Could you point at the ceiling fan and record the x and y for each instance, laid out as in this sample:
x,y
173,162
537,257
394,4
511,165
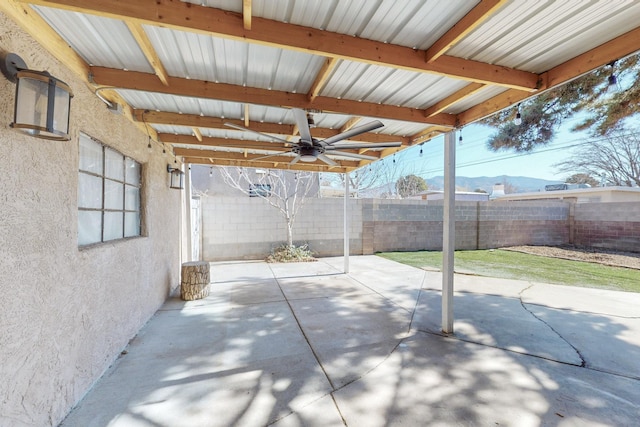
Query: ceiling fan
x,y
310,149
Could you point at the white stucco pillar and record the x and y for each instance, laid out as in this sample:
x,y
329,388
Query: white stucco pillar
x,y
448,231
346,222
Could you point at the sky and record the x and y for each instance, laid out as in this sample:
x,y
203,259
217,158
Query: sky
x,y
474,159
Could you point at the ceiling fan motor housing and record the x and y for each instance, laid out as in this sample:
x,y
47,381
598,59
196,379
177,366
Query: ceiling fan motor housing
x,y
307,153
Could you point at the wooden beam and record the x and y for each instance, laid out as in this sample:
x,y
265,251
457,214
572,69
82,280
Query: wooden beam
x,y
194,120
170,138
445,103
254,158
468,23
322,77
350,123
621,46
246,14
39,29
185,16
246,115
149,52
427,134
268,165
197,134
226,92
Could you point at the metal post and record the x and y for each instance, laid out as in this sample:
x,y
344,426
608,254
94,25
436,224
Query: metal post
x,y
448,231
346,222
187,213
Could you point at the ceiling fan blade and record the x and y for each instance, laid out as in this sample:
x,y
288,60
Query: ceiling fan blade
x,y
327,160
353,155
339,146
274,138
294,161
303,125
353,132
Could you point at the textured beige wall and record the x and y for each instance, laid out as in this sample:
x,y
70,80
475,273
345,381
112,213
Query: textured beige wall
x,y
65,313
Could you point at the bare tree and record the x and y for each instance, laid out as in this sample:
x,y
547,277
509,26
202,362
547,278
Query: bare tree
x,y
377,178
284,190
616,159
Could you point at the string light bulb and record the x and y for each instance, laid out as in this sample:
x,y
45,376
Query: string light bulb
x,y
460,138
518,120
211,173
421,150
149,147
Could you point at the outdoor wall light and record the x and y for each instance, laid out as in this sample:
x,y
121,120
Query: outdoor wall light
x,y
42,101
177,178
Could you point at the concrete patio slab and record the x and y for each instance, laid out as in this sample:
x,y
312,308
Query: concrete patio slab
x,y
304,345
496,322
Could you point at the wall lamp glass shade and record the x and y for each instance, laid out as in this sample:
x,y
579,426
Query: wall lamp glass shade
x,y
176,178
42,102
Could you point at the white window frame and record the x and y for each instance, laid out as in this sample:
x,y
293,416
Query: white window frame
x,y
98,207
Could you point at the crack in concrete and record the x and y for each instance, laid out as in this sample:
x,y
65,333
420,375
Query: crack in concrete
x,y
583,361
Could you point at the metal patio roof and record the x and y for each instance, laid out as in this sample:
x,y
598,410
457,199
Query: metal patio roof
x,y
422,67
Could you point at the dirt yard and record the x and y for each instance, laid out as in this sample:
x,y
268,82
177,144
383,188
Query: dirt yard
x,y
617,259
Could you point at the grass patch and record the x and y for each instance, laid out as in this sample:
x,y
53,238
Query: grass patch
x,y
535,268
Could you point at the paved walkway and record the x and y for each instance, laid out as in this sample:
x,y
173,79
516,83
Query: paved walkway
x,y
305,345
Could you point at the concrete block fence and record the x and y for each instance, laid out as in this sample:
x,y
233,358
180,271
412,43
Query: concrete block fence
x,y
248,228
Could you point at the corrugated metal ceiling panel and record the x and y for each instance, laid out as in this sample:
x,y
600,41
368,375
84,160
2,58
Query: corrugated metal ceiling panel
x,y
538,35
202,57
371,83
486,93
85,34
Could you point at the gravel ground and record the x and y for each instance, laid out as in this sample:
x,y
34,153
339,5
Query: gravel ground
x,y
617,259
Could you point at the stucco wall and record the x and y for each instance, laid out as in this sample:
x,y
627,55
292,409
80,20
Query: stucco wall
x,y
66,313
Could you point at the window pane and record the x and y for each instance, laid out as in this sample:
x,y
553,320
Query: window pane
x,y
131,224
112,225
113,164
132,198
113,195
132,171
89,191
89,227
90,155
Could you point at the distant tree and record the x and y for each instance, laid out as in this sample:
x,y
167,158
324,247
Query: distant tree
x,y
283,190
604,110
480,190
582,178
616,159
508,187
410,185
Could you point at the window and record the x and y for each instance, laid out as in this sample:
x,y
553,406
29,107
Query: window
x,y
259,190
108,194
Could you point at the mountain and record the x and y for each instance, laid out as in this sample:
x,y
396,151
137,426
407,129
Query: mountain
x,y
520,184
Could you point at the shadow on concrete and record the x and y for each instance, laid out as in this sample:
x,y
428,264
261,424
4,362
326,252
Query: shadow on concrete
x,y
308,346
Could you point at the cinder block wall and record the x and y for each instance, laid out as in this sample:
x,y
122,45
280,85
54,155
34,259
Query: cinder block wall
x,y
408,225
523,223
608,225
249,228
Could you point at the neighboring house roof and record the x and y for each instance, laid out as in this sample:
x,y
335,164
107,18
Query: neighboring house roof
x,y
460,195
580,195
